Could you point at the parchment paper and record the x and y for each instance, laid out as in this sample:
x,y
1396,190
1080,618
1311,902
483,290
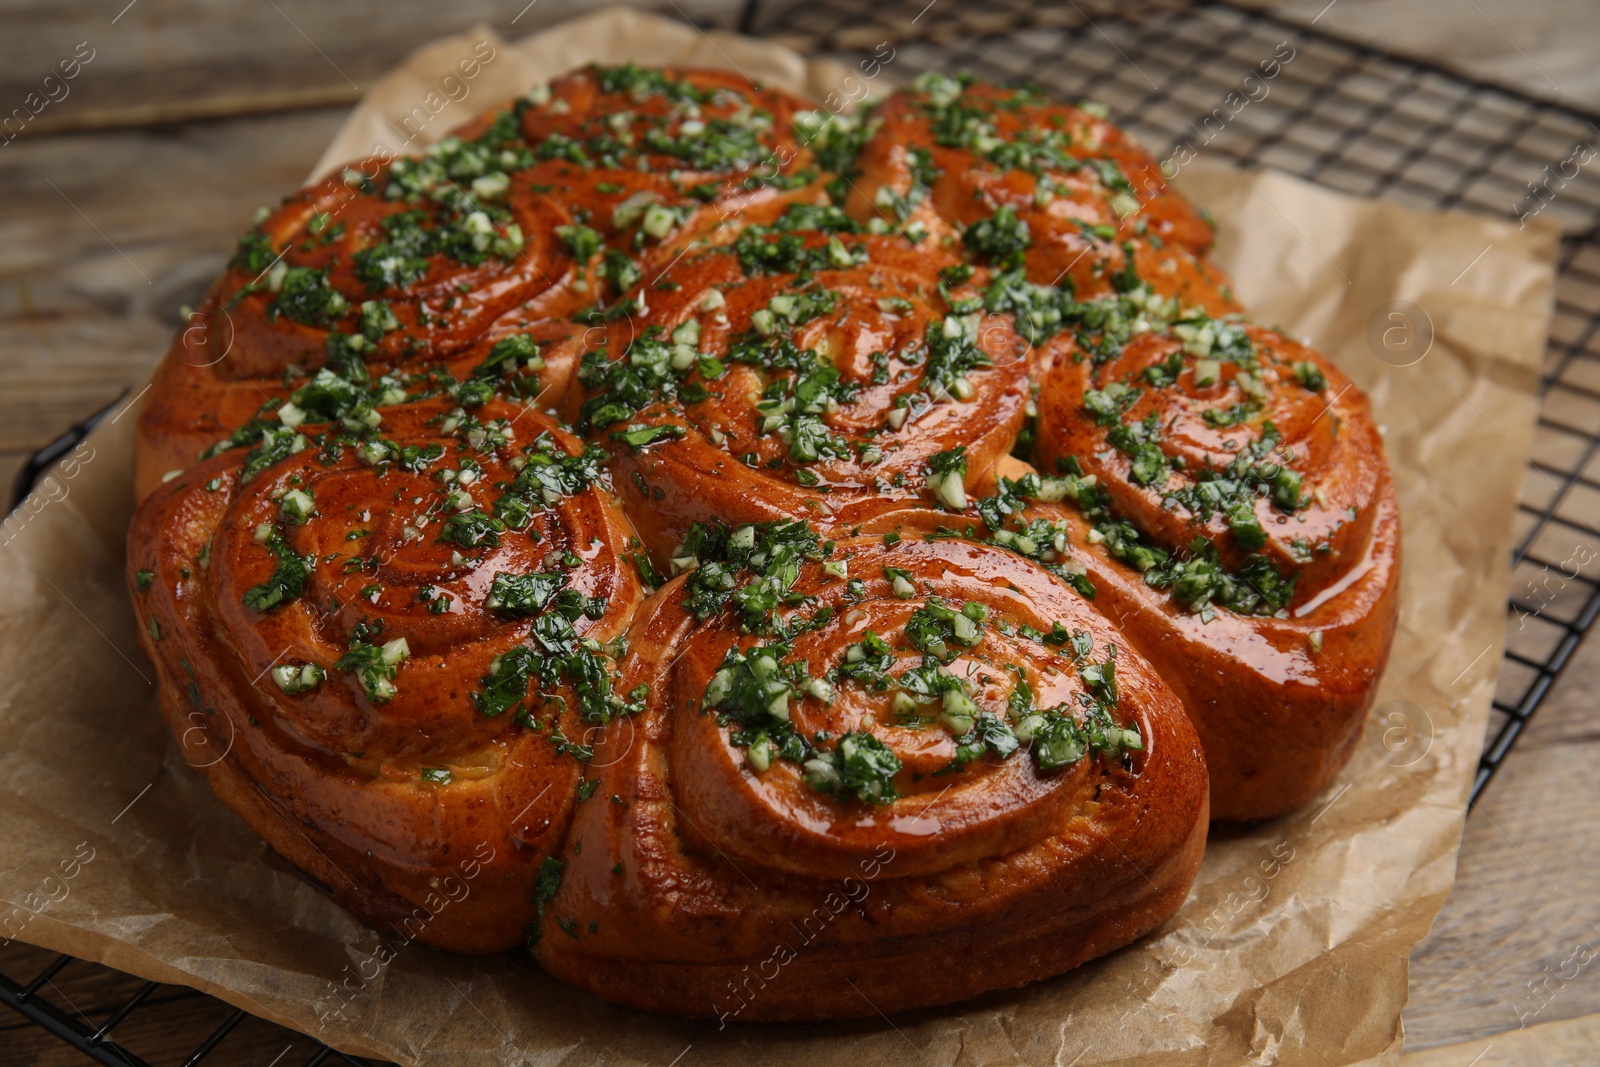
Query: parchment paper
x,y
1292,947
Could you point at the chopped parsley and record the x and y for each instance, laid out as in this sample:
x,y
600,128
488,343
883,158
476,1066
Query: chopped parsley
x,y
860,766
524,594
288,578
1309,375
545,887
1000,239
472,529
767,556
941,631
556,654
304,296
1199,580
639,437
766,250
1139,441
374,665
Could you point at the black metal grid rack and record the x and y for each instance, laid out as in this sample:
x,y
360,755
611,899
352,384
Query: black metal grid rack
x,y
1352,117
222,1020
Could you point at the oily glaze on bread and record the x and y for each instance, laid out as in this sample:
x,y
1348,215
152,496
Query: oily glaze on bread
x,y
351,721
1303,678
294,296
889,364
698,883
1286,515
621,517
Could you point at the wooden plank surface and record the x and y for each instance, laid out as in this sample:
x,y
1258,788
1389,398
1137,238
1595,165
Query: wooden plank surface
x,y
1568,1043
106,232
169,60
103,237
1518,942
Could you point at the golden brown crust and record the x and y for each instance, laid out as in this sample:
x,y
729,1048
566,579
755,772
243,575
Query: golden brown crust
x,y
380,788
346,235
1278,701
753,445
614,140
1278,470
191,410
701,876
1086,192
948,732
1325,436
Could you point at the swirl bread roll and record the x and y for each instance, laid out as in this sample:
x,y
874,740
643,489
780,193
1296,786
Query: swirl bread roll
x,y
1047,193
344,638
642,154
824,802
802,370
357,276
409,261
1247,485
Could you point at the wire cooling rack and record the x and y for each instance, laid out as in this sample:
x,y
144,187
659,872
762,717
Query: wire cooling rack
x,y
1348,116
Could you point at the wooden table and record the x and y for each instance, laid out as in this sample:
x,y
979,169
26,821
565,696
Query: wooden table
x,y
122,202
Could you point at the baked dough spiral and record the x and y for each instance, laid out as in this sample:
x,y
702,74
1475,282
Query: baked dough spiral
x,y
1269,510
779,565
798,372
1048,189
1016,774
1218,488
509,226
344,636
